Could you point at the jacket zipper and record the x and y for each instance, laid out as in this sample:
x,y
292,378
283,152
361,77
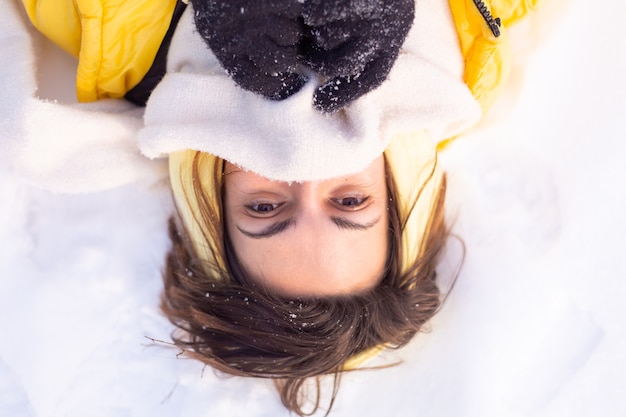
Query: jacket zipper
x,y
494,24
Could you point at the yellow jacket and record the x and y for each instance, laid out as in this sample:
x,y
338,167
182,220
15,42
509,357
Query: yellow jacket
x,y
487,57
116,41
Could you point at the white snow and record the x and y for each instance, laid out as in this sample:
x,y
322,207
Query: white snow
x,y
533,326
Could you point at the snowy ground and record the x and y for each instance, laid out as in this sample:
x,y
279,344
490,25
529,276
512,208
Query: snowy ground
x,y
532,328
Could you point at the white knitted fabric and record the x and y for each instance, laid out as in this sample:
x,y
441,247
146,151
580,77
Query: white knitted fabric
x,y
71,147
62,147
197,106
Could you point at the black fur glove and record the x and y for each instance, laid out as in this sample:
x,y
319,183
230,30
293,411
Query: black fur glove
x,y
353,43
256,41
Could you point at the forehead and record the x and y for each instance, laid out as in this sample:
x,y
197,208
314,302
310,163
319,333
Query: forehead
x,y
322,261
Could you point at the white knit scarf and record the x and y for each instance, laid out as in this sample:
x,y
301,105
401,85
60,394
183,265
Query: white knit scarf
x,y
197,106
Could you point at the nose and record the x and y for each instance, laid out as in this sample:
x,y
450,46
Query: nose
x,y
316,244
311,209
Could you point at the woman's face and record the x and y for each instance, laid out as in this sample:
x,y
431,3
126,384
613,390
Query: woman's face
x,y
314,238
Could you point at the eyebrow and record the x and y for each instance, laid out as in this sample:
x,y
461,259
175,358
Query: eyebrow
x,y
346,224
279,227
269,231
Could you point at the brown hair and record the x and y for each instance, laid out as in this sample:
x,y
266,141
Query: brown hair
x,y
244,329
